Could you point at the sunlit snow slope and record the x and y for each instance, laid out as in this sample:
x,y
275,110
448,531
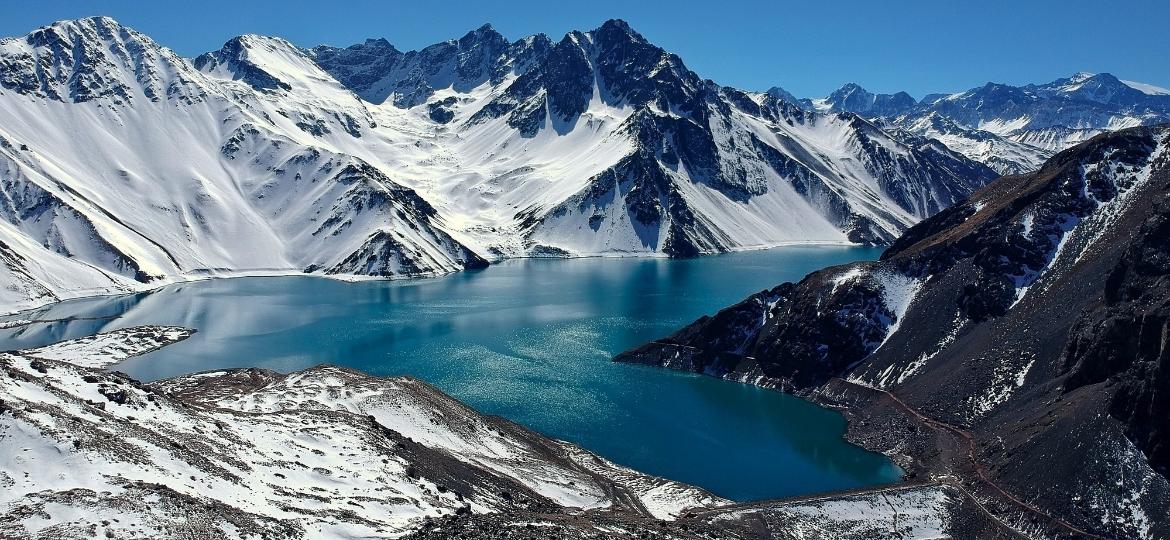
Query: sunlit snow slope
x,y
122,164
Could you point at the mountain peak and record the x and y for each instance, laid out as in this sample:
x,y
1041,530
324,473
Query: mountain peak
x,y
99,21
237,59
484,32
618,27
485,37
242,45
852,97
1106,77
1102,88
998,87
90,58
619,24
780,93
101,27
378,42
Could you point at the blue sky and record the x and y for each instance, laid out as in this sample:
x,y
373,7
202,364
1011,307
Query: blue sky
x,y
808,47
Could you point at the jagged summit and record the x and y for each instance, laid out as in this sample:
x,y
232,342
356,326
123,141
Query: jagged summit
x,y
620,24
484,34
780,93
98,23
614,27
378,42
377,71
853,97
93,59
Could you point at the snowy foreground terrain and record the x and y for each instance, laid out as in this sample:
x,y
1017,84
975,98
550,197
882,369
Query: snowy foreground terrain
x,y
333,453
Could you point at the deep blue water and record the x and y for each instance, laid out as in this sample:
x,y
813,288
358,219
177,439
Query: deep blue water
x,y
530,340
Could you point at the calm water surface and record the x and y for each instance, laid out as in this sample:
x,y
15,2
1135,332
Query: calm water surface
x,y
530,340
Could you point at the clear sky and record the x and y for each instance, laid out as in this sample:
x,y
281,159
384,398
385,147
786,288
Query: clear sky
x,y
809,47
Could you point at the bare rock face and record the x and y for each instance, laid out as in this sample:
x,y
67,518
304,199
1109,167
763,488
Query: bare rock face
x,y
1027,324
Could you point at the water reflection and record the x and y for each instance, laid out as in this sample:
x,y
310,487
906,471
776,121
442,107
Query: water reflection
x,y
529,340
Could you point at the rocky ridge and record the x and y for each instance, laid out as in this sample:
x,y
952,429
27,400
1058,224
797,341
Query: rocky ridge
x,y
1015,339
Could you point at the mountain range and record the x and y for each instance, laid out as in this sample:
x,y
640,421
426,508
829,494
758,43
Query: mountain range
x,y
1009,353
1013,129
126,166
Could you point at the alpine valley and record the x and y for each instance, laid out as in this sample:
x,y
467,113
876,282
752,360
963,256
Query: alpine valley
x,y
1009,351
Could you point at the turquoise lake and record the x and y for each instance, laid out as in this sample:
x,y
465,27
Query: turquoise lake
x,y
530,340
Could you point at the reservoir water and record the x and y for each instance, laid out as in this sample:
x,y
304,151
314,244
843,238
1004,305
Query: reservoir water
x,y
530,340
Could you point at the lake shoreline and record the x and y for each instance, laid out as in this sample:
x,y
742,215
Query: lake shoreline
x,y
197,275
496,338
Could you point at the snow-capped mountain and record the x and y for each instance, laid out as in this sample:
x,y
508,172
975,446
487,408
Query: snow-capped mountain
x,y
1005,155
125,165
1026,326
1012,129
1084,103
853,98
603,142
375,70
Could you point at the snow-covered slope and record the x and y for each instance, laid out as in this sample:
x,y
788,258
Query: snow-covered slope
x,y
323,453
123,165
1005,155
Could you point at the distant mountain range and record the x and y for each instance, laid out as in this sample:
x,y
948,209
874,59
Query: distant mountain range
x,y
125,166
1013,129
